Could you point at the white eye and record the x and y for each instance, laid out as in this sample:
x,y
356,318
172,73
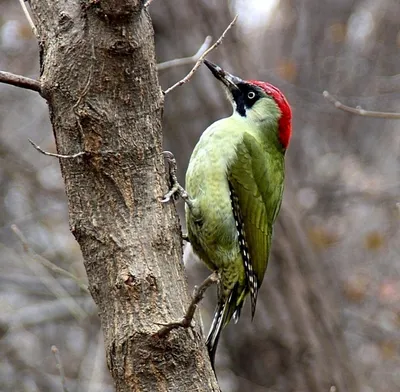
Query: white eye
x,y
251,95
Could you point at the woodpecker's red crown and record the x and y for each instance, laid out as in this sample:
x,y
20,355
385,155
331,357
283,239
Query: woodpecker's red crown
x,y
285,121
246,93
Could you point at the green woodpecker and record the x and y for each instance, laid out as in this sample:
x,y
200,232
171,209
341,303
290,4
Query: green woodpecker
x,y
234,186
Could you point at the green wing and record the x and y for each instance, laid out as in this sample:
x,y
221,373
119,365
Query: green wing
x,y
256,184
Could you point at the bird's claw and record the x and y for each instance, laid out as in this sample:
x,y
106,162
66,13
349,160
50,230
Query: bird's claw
x,y
174,189
168,155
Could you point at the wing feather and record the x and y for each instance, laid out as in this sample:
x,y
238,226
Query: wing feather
x,y
256,195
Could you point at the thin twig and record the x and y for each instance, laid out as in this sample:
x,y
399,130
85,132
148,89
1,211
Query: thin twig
x,y
60,367
28,17
20,81
359,111
187,319
201,58
45,312
186,60
47,263
50,154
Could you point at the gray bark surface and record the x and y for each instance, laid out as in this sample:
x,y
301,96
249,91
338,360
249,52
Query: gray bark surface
x,y
99,77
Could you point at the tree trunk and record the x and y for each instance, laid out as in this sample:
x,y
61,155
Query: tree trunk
x,y
99,77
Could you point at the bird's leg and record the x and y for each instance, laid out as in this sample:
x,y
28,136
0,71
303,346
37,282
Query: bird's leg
x,y
198,295
176,188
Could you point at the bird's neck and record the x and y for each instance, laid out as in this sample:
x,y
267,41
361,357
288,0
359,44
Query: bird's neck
x,y
265,130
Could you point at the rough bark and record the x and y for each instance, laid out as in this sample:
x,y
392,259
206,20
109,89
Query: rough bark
x,y
99,77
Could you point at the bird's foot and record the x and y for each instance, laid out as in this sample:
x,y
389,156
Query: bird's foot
x,y
187,319
176,188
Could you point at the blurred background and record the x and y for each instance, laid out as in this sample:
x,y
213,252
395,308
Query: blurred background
x,y
328,316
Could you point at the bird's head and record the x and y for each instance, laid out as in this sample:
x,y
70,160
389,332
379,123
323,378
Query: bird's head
x,y
260,102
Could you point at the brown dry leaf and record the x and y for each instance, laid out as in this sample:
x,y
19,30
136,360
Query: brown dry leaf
x,y
287,70
321,237
337,32
374,240
355,289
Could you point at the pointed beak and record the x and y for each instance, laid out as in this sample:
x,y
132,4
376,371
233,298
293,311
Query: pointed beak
x,y
230,81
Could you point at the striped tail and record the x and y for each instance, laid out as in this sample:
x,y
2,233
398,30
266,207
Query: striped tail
x,y
215,332
223,314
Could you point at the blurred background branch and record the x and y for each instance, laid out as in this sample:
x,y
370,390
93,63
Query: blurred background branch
x,y
201,58
186,60
337,237
358,110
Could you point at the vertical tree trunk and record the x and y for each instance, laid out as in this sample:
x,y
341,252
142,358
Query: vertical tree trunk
x,y
99,77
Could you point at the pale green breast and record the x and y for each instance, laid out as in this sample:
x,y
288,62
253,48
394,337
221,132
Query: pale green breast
x,y
239,151
211,228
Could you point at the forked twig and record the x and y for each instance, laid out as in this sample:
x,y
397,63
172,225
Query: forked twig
x,y
201,58
186,60
50,154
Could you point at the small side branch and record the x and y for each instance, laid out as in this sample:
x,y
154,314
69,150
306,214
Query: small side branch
x,y
187,319
201,58
60,367
186,60
28,17
50,154
20,81
358,110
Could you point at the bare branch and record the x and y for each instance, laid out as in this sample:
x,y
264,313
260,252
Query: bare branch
x,y
28,17
50,154
187,319
20,81
44,312
147,3
47,263
60,367
186,60
201,58
359,111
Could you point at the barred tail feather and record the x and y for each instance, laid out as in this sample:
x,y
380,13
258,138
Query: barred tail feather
x,y
251,277
223,314
215,332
